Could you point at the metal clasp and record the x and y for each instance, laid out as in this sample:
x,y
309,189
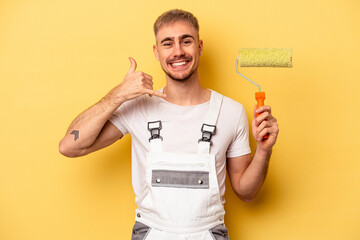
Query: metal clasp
x,y
208,131
154,128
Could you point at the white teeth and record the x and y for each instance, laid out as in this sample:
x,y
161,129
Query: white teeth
x,y
178,64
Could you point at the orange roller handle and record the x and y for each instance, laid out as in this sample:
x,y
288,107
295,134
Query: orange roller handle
x,y
260,97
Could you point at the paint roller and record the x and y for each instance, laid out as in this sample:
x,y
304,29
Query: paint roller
x,y
263,57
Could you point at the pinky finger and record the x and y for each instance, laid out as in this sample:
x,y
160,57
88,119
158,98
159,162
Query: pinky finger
x,y
155,93
264,134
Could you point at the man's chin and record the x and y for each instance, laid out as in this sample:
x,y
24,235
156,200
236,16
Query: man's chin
x,y
180,78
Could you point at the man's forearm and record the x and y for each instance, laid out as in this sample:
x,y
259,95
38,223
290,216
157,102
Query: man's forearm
x,y
255,174
84,130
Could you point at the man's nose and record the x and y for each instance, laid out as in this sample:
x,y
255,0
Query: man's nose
x,y
178,50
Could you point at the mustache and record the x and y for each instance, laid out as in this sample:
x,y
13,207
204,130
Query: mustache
x,y
186,58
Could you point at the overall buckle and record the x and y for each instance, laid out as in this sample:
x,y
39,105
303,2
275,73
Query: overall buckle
x,y
154,128
207,132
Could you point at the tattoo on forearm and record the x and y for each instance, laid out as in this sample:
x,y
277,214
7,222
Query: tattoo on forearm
x,y
76,134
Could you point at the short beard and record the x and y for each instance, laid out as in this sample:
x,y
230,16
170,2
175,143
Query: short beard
x,y
182,79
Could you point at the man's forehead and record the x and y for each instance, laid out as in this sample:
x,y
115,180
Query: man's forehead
x,y
176,30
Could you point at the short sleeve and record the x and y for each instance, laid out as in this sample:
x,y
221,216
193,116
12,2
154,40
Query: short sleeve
x,y
123,115
240,144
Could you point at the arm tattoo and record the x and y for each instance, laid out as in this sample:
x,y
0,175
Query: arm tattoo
x,y
76,134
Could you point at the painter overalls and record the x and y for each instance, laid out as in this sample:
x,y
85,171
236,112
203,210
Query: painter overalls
x,y
183,200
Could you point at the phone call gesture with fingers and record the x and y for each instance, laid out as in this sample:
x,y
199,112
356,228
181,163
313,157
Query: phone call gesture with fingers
x,y
91,130
135,84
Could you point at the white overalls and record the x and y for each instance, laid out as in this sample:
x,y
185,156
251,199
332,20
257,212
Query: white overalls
x,y
183,200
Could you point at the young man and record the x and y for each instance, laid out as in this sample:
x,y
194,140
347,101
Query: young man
x,y
184,138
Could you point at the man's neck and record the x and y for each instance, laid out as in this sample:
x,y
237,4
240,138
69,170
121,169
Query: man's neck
x,y
186,93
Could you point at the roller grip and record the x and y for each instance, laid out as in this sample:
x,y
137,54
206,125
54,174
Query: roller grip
x,y
260,97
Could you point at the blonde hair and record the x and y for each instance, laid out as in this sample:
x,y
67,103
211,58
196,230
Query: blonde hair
x,y
175,15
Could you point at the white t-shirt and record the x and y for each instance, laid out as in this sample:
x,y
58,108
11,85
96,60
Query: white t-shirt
x,y
181,130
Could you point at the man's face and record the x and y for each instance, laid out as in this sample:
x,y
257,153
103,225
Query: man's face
x,y
178,49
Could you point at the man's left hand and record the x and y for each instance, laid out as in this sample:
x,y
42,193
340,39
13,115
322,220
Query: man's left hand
x,y
262,125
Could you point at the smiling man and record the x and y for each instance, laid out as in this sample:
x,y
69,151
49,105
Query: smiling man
x,y
183,63
185,138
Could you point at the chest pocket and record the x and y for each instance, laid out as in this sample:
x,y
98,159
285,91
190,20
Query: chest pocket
x,y
180,179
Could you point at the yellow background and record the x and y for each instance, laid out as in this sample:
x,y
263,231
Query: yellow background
x,y
59,57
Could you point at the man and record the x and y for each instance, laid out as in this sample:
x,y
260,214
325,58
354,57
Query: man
x,y
184,138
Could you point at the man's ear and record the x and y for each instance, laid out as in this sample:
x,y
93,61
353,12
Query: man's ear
x,y
156,52
201,45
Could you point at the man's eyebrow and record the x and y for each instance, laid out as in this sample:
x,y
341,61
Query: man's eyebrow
x,y
167,39
181,37
186,36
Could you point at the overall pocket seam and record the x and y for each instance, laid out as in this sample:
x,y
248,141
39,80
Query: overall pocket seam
x,y
212,235
147,233
138,233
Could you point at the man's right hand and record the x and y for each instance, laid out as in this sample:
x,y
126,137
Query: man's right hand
x,y
92,130
135,84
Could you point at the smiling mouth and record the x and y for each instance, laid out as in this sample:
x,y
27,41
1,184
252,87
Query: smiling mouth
x,y
176,64
179,61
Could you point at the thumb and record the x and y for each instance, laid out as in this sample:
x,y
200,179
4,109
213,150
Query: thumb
x,y
132,66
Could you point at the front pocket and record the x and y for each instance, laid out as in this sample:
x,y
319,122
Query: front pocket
x,y
219,232
140,231
180,179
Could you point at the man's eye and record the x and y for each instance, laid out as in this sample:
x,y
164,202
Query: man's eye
x,y
187,42
167,44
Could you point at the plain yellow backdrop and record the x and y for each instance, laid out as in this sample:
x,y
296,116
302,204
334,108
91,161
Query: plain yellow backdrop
x,y
59,57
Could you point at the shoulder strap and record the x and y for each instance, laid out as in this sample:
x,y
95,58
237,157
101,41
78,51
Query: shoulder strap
x,y
214,108
154,124
208,129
